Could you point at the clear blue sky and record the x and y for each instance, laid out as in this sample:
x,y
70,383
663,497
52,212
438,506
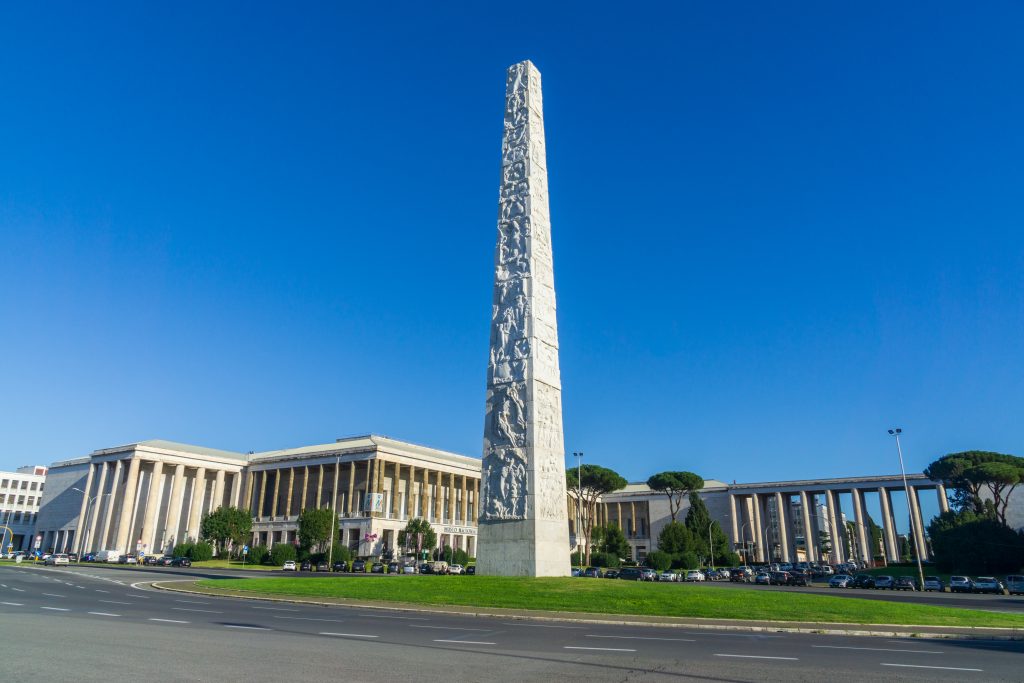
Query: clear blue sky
x,y
777,230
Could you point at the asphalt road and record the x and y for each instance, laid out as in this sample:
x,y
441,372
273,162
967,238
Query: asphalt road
x,y
91,623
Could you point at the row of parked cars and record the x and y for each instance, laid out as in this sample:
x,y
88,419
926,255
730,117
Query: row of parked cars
x,y
648,574
1014,583
364,566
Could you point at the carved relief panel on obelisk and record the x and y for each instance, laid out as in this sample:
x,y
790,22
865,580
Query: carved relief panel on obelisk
x,y
523,525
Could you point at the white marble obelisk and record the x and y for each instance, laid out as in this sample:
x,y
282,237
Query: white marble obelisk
x,y
523,525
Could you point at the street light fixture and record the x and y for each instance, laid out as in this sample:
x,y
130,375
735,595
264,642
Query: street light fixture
x,y
88,505
896,431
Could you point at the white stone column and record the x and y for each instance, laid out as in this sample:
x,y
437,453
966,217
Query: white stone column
x,y
892,552
177,500
810,542
149,520
940,491
833,524
82,510
918,530
128,510
866,552
350,503
320,487
305,488
261,499
277,493
759,540
195,515
111,503
218,491
97,503
235,497
782,509
735,521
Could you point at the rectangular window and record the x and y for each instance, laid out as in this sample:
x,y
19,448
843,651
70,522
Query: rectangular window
x,y
33,486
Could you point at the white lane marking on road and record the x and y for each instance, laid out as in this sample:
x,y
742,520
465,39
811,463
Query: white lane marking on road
x,y
791,659
387,616
20,590
922,666
53,595
100,590
114,602
336,621
348,635
603,649
189,609
674,640
248,628
579,628
13,604
877,649
464,642
56,609
104,614
169,621
277,609
3,585
450,628
193,602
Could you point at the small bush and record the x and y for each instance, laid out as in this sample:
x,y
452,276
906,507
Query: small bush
x,y
258,554
182,550
659,560
201,552
576,559
689,560
604,560
341,553
281,553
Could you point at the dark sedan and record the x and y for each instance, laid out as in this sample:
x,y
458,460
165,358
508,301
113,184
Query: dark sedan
x,y
905,583
798,579
359,566
377,568
863,581
181,562
322,566
340,567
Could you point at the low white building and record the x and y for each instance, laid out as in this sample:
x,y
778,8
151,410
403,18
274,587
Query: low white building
x,y
21,494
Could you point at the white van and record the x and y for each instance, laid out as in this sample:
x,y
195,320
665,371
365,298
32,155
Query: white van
x,y
108,556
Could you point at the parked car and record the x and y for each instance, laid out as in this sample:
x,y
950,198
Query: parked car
x,y
668,576
648,574
425,568
739,575
840,581
576,571
377,568
73,557
411,569
1015,584
863,581
88,557
306,566
631,574
151,561
593,572
905,583
611,573
322,566
181,562
166,561
471,570
694,575
57,560
960,584
128,559
340,566
779,578
763,579
288,566
798,579
456,569
933,583
884,582
988,584
394,568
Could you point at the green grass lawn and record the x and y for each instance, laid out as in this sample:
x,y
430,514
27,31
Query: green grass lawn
x,y
620,597
233,564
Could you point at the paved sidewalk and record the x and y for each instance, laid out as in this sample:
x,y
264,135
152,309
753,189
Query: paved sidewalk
x,y
890,630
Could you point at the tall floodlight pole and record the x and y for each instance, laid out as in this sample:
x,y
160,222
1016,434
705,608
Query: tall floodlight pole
x,y
896,431
579,500
711,545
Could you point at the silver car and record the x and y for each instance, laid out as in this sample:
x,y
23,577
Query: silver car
x,y
840,581
960,584
1015,584
668,576
933,583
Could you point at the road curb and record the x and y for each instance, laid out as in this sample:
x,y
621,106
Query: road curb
x,y
821,628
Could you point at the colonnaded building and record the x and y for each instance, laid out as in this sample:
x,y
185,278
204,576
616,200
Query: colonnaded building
x,y
148,496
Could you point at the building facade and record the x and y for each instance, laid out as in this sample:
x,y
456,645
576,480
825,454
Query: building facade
x,y
21,494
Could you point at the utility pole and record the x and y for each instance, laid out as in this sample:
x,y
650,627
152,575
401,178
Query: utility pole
x,y
896,431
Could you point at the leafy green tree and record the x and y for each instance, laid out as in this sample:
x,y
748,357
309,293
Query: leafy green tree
x,y
614,542
969,473
699,523
659,560
966,542
590,482
407,536
904,550
315,528
675,539
687,560
183,550
226,525
281,553
675,485
602,559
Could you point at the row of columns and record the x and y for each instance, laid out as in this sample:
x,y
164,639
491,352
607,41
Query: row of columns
x,y
747,524
622,514
117,495
430,485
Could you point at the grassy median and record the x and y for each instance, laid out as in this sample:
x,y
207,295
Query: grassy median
x,y
619,597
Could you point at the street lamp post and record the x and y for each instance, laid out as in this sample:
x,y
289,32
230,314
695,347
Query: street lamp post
x,y
88,506
746,550
711,546
334,516
896,431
